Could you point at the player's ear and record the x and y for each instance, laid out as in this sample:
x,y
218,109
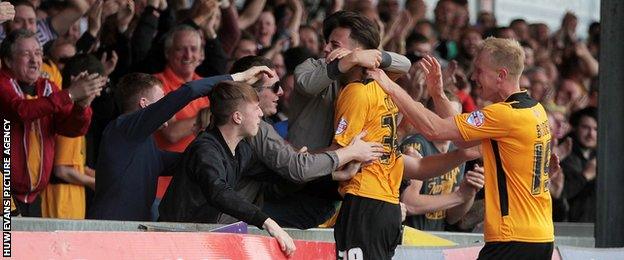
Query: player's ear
x,y
502,74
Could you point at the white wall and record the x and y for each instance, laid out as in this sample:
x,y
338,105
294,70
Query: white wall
x,y
549,12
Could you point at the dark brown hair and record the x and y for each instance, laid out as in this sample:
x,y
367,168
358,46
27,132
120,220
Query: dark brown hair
x,y
363,30
131,86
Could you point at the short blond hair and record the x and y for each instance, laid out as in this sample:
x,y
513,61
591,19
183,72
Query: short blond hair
x,y
505,53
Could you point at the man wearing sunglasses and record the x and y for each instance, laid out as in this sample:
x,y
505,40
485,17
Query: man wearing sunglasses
x,y
269,91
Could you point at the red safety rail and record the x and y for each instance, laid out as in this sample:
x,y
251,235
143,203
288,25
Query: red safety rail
x,y
157,245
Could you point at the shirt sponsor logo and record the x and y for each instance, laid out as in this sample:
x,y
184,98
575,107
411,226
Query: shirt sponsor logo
x,y
476,118
342,126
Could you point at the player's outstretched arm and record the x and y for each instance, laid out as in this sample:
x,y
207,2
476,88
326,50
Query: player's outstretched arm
x,y
471,184
426,122
436,165
358,150
418,204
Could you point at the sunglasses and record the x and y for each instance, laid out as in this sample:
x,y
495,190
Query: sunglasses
x,y
275,88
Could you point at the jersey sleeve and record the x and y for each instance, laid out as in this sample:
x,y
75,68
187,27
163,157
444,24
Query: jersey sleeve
x,y
351,111
67,150
490,122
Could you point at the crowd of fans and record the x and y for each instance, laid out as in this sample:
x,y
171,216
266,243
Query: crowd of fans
x,y
69,68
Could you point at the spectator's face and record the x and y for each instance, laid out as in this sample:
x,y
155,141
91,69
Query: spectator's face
x,y
444,12
587,132
288,84
487,20
245,48
73,34
508,34
422,48
543,32
521,30
529,57
26,59
426,30
461,18
569,23
251,115
567,93
309,39
152,96
268,97
25,18
139,6
486,77
525,84
61,52
339,38
280,67
265,27
471,42
416,7
388,9
185,54
559,126
539,85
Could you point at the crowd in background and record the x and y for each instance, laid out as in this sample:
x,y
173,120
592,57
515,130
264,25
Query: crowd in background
x,y
86,46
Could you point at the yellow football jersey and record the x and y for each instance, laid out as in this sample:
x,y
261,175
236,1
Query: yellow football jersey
x,y
65,200
366,107
516,153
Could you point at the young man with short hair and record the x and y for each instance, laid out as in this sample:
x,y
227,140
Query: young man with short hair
x,y
215,161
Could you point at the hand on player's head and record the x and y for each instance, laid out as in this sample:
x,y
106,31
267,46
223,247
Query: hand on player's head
x,y
369,59
337,54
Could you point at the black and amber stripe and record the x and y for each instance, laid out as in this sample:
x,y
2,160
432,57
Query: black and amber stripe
x,y
501,178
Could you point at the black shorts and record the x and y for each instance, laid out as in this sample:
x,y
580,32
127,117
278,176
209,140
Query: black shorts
x,y
516,250
367,229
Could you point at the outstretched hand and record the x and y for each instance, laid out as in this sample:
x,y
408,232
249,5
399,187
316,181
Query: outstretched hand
x,y
253,74
433,75
86,86
553,164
